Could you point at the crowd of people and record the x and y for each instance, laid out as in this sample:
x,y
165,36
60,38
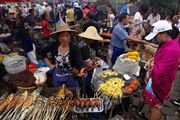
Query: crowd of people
x,y
75,30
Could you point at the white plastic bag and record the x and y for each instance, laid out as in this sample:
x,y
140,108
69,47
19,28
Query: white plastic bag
x,y
125,65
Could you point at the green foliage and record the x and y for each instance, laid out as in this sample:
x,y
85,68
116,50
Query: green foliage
x,y
164,7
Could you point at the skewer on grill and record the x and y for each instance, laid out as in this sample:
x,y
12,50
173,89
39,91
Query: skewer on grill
x,y
87,103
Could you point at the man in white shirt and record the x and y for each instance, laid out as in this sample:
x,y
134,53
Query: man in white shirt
x,y
153,17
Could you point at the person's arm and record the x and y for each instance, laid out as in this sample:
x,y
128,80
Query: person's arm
x,y
46,50
78,57
168,62
159,17
149,18
79,70
131,39
49,63
149,64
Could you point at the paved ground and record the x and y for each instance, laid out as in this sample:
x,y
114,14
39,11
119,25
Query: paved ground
x,y
170,111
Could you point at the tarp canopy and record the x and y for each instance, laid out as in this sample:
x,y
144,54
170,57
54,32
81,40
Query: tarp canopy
x,y
15,1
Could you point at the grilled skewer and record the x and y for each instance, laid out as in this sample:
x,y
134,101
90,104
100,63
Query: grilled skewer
x,y
82,104
97,103
87,103
93,101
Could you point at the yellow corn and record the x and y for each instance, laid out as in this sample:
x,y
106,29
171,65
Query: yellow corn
x,y
135,53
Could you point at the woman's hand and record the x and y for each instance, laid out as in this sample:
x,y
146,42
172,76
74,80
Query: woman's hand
x,y
149,64
96,62
75,72
83,73
52,66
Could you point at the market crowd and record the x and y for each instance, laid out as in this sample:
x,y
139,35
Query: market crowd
x,y
74,39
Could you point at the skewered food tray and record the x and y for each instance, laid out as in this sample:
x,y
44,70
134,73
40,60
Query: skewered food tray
x,y
88,105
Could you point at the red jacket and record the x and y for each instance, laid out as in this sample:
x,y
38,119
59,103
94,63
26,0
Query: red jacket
x,y
45,29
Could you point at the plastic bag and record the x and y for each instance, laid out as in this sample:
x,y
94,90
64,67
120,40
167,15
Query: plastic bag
x,y
122,65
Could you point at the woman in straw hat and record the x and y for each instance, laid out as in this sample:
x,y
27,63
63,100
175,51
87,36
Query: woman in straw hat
x,y
89,37
66,57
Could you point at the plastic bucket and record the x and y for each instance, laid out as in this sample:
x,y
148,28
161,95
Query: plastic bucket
x,y
15,64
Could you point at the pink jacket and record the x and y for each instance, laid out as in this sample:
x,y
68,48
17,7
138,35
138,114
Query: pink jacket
x,y
166,63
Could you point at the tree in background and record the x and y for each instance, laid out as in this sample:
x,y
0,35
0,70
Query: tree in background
x,y
165,7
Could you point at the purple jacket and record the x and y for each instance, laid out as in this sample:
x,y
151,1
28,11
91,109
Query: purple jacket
x,y
166,63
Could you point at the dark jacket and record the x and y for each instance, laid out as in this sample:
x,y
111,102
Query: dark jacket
x,y
75,55
78,13
23,35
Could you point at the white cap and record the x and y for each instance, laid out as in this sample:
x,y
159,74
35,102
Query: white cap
x,y
76,4
160,26
45,3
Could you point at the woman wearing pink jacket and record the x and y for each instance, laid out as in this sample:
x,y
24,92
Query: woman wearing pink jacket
x,y
162,68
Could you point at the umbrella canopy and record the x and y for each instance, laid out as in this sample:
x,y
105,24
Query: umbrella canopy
x,y
15,0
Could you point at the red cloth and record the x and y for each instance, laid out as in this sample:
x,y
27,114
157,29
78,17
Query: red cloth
x,y
166,63
92,9
85,12
46,31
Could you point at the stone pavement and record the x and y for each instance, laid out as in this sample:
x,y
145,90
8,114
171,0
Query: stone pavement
x,y
170,111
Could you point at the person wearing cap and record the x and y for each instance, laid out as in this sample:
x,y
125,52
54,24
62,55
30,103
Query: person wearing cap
x,y
120,37
66,57
162,68
70,15
86,44
78,12
89,38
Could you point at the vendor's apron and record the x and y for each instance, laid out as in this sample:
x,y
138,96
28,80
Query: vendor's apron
x,y
63,76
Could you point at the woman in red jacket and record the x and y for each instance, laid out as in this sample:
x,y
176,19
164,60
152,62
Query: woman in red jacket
x,y
45,27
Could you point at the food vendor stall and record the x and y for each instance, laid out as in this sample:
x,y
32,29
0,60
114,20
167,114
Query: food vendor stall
x,y
114,85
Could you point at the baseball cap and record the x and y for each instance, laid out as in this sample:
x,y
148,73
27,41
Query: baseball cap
x,y
160,26
76,4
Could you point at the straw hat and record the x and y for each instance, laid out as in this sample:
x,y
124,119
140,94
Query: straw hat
x,y
91,33
62,28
